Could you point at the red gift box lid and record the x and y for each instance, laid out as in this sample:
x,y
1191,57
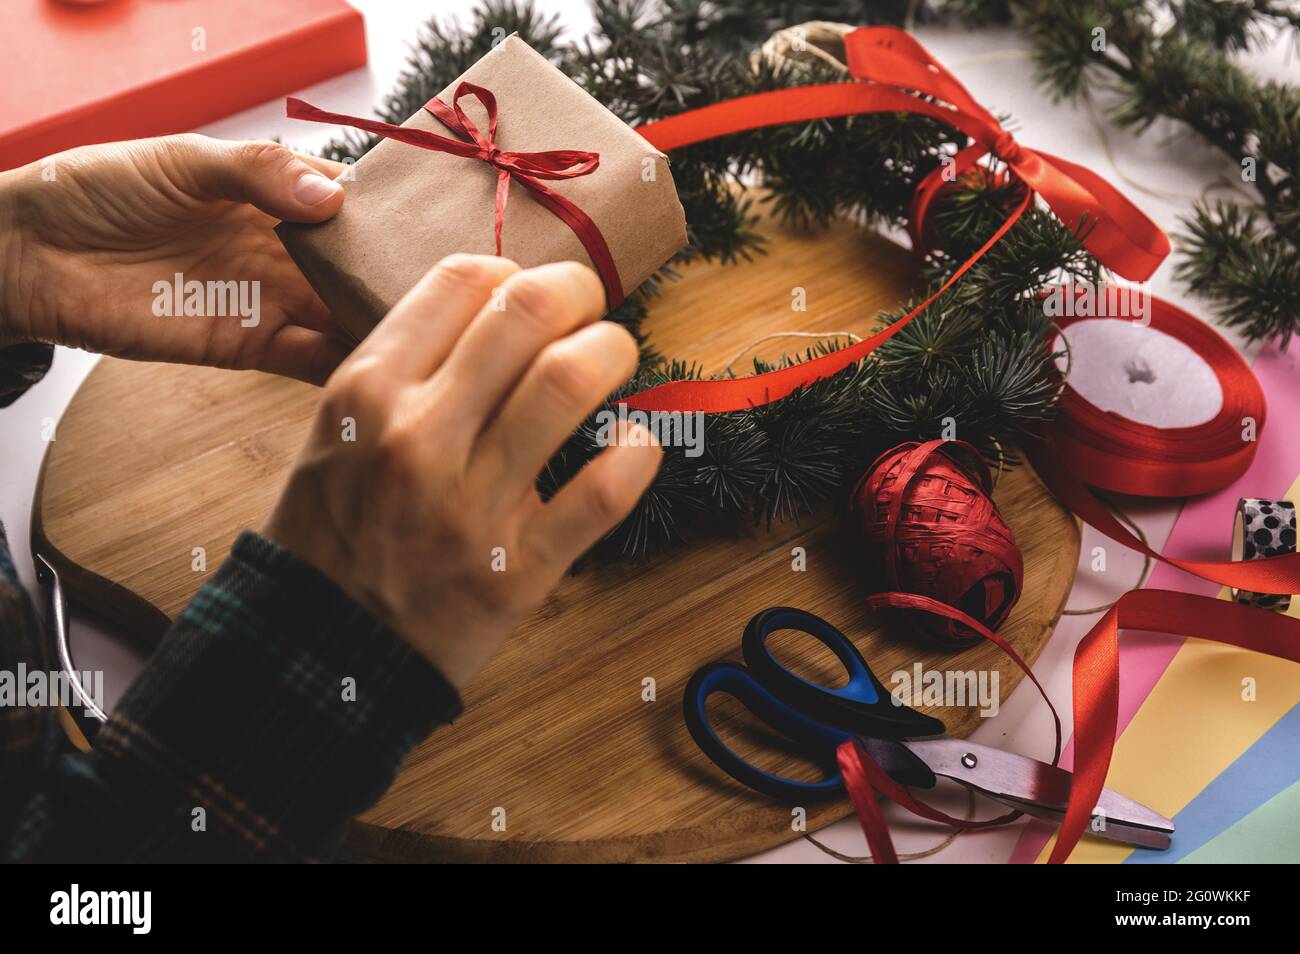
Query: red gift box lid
x,y
74,73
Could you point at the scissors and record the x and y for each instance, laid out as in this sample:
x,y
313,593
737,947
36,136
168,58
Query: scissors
x,y
911,747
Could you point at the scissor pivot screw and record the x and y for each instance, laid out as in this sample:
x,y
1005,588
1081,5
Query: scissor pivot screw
x,y
969,760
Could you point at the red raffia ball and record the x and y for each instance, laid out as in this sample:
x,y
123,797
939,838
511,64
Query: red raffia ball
x,y
947,540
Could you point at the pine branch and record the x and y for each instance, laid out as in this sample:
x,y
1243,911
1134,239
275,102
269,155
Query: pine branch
x,y
1168,62
977,358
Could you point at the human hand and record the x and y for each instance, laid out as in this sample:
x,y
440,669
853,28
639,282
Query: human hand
x,y
86,235
429,515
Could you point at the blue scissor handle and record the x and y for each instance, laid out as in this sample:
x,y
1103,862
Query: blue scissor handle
x,y
820,740
863,707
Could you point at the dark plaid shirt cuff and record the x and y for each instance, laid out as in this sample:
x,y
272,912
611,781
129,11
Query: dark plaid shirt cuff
x,y
274,710
21,366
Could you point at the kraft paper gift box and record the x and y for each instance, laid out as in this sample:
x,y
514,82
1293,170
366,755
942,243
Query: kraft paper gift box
x,y
407,207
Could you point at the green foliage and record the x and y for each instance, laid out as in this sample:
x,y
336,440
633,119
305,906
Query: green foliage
x,y
1252,273
978,355
1170,61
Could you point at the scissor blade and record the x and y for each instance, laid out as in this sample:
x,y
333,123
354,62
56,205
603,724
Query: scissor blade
x,y
1038,789
1113,829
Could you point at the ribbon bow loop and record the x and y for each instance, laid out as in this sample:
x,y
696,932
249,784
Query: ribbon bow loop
x,y
455,119
1007,149
545,164
889,56
1113,229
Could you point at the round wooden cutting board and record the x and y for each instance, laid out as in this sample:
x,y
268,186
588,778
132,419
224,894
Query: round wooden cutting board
x,y
573,734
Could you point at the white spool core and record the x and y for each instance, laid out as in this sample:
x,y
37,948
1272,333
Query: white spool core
x,y
1139,373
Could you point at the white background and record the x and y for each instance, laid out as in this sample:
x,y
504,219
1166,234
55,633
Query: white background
x,y
1162,172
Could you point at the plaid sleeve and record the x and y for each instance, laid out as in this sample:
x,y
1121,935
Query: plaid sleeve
x,y
273,711
21,366
25,732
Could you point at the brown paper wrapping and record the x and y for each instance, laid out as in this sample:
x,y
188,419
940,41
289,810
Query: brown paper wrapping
x,y
408,207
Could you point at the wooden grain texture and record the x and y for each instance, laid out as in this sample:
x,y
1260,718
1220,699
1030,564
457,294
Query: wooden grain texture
x,y
152,461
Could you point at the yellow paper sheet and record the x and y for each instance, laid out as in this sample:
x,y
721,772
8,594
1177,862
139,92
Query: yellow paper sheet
x,y
1193,725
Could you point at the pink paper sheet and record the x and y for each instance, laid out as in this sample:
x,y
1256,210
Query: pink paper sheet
x,y
1203,532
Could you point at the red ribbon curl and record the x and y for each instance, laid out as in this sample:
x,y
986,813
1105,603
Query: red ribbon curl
x,y
526,168
929,526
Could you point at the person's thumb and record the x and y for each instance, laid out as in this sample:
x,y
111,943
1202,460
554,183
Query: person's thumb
x,y
262,173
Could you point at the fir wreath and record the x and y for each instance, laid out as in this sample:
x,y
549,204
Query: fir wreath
x,y
978,355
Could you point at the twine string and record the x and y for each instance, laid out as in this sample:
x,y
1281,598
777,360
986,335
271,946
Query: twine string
x,y
906,856
789,334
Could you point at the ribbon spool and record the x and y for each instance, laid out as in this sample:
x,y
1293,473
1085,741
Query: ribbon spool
x,y
1154,434
930,528
1260,529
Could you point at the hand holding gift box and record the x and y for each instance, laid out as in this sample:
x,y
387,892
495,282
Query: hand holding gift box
x,y
595,191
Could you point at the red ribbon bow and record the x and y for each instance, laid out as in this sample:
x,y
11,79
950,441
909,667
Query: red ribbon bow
x,y
1116,232
888,64
526,168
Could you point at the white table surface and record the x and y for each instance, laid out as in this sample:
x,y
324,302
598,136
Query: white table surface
x,y
991,64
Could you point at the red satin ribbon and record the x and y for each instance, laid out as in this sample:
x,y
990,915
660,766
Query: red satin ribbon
x,y
1279,574
887,64
526,168
1089,448
1096,667
1128,457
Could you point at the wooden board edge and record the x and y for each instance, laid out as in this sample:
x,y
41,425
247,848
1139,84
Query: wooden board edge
x,y
143,623
1068,555
367,843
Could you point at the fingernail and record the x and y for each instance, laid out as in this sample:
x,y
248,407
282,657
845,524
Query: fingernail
x,y
313,188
